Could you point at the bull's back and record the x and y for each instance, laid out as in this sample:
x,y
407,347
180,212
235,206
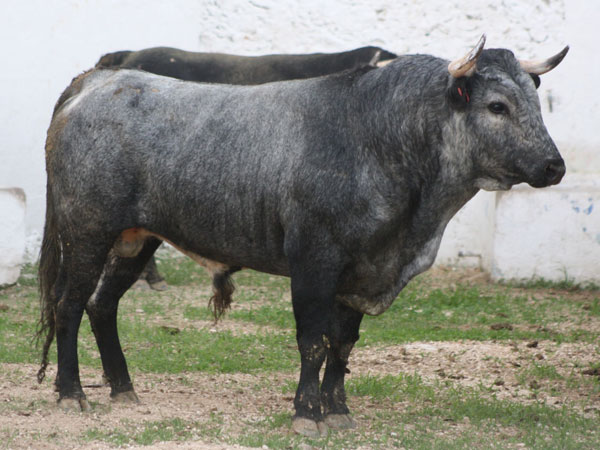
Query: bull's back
x,y
138,150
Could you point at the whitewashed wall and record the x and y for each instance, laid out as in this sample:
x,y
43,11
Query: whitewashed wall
x,y
45,43
12,235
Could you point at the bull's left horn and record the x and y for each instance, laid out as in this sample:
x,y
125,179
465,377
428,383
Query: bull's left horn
x,y
542,66
465,66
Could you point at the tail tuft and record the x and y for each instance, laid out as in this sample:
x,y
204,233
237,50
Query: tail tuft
x,y
223,288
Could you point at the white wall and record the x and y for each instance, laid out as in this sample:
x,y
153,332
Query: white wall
x,y
549,233
12,233
45,43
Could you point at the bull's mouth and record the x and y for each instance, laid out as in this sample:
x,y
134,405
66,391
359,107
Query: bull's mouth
x,y
501,183
550,174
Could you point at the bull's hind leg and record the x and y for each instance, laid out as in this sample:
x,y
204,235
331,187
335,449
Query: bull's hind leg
x,y
119,274
153,276
82,264
344,333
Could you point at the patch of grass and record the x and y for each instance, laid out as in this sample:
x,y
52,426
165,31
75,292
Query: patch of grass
x,y
545,371
197,313
280,316
566,284
148,433
157,350
466,313
390,387
28,276
182,271
593,308
419,313
8,437
16,337
414,414
18,324
250,278
24,405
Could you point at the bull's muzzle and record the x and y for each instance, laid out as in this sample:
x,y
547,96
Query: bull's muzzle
x,y
554,171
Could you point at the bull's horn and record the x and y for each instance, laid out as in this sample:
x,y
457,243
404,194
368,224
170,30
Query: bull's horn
x,y
375,58
384,63
465,66
540,67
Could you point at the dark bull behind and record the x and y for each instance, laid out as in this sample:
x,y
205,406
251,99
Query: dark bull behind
x,y
236,69
345,183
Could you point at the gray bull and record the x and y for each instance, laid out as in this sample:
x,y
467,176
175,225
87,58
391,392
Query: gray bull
x,y
344,183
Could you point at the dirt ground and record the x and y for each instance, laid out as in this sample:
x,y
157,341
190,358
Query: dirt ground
x,y
194,396
30,419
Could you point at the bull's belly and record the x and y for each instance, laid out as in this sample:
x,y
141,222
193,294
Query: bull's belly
x,y
131,241
367,287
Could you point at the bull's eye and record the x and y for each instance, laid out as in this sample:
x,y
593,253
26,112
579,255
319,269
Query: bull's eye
x,y
498,108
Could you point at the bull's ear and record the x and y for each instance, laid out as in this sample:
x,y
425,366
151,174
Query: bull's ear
x,y
459,92
536,80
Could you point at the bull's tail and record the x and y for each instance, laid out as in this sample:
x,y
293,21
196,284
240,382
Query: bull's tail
x,y
223,288
50,261
113,59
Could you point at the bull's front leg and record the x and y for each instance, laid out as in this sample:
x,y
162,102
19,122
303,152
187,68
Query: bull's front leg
x,y
313,296
344,333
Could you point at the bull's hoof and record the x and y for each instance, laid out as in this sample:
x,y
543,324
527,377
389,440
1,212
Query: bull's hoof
x,y
309,428
141,285
159,285
340,421
125,397
71,405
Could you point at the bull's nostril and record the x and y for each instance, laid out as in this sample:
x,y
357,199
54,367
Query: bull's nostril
x,y
554,172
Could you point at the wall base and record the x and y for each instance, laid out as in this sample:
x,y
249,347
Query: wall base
x,y
12,234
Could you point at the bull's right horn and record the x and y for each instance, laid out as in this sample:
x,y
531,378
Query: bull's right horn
x,y
465,66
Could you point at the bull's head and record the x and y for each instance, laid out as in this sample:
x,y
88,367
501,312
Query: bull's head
x,y
510,143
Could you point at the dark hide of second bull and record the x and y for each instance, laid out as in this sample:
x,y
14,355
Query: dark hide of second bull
x,y
243,70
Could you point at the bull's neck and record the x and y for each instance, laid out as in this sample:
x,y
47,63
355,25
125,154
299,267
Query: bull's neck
x,y
417,141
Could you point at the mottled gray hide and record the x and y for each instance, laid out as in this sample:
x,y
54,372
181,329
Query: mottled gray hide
x,y
361,170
